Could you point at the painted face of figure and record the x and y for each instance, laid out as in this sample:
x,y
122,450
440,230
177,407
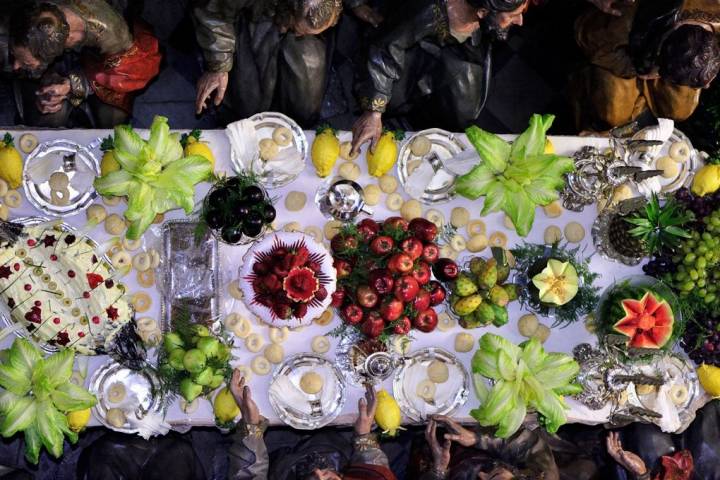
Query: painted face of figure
x,y
303,27
497,473
25,64
498,24
326,474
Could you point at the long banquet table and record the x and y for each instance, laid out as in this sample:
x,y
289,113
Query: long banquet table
x,y
562,340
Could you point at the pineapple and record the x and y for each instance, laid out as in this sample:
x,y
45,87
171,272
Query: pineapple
x,y
621,239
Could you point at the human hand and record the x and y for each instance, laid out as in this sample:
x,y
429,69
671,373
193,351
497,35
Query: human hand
x,y
243,398
609,6
210,82
368,15
460,434
50,98
367,128
366,411
440,453
628,460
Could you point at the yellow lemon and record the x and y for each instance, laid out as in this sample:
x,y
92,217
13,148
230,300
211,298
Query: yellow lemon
x,y
108,164
193,146
225,407
707,180
78,420
549,147
709,376
11,163
387,415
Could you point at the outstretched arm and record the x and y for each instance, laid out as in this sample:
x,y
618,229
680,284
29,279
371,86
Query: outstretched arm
x,y
366,449
628,460
248,453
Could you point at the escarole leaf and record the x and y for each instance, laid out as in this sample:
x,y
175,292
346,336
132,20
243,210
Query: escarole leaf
x,y
481,388
493,150
14,379
485,363
475,183
69,397
494,198
512,420
7,400
50,432
33,444
23,355
57,367
115,184
159,136
19,416
519,208
532,141
127,141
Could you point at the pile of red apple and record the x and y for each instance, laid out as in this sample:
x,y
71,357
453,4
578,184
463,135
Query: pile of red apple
x,y
384,276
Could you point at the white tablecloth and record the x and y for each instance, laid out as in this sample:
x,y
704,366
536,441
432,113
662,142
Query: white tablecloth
x,y
562,340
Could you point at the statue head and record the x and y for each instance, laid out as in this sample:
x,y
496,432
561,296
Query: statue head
x,y
498,16
37,38
690,56
308,17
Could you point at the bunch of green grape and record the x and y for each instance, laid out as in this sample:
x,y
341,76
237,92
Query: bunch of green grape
x,y
698,263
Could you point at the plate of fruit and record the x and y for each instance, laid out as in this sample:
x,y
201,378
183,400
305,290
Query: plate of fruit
x,y
384,271
289,279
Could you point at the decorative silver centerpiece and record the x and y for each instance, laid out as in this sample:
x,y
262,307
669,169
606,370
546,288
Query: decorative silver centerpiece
x,y
342,200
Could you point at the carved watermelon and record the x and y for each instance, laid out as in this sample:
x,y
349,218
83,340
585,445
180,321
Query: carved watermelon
x,y
301,284
648,322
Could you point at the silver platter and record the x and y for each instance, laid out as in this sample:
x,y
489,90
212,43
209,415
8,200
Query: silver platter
x,y
293,368
417,409
70,158
265,124
445,145
141,395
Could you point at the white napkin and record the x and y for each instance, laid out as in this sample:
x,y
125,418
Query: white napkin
x,y
287,393
419,179
661,132
463,162
244,144
443,391
40,171
152,425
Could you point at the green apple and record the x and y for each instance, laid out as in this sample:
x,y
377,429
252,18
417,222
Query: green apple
x,y
172,341
175,359
189,389
204,378
210,346
194,361
216,381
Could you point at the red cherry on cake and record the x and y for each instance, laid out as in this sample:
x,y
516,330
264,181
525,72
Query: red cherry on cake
x,y
16,267
56,320
71,273
95,319
27,287
38,303
53,257
81,334
31,242
86,294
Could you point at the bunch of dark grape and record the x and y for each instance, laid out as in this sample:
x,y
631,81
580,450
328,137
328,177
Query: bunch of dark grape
x,y
700,206
659,266
701,341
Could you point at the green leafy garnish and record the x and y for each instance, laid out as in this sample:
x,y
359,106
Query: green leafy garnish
x,y
660,227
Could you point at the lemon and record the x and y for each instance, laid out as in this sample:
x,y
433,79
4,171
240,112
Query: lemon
x,y
108,164
707,180
78,420
387,415
11,163
195,147
549,147
709,376
225,407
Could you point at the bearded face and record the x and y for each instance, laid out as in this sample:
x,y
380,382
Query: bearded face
x,y
496,24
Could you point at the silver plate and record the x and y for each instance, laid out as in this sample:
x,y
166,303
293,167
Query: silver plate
x,y
445,145
293,368
204,264
39,193
407,398
265,124
141,395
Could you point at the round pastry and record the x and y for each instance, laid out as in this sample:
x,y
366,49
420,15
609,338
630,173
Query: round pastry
x,y
445,322
528,325
96,213
132,245
464,342
3,187
411,209
678,394
268,149
292,227
116,392
260,365
274,353
498,239
13,199
553,209
116,417
314,232
154,258
240,326
426,390
552,234
346,152
478,243
278,335
372,193
459,217
27,142
438,372
413,165
349,171
388,183
458,243
59,181
325,318
282,136
121,260
680,152
420,146
311,383
394,202
234,290
574,232
254,343
331,229
141,301
476,227
320,344
111,201
622,192
245,372
435,217
542,333
295,201
146,279
114,224
141,262
669,167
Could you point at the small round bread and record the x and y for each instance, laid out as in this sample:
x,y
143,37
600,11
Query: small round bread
x,y
320,344
260,365
274,353
553,209
349,171
27,142
413,165
420,146
459,217
96,213
438,372
325,318
372,193
111,201
498,239
114,224
60,198
13,199
346,152
528,325
268,149
151,338
59,181
464,342
121,259
240,326
388,183
311,383
282,136
446,251
476,227
435,217
254,343
622,192
292,227
116,417
295,201
132,245
458,243
116,392
478,243
508,223
146,323
331,229
3,187
542,333
680,152
669,167
278,335
146,279
189,408
394,202
411,210
154,258
552,234
678,394
141,262
426,390
445,322
574,232
141,302
314,232
234,290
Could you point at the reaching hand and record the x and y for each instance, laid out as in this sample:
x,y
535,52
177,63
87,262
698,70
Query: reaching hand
x,y
628,460
461,435
366,411
50,98
368,15
440,454
210,82
243,398
609,6
367,128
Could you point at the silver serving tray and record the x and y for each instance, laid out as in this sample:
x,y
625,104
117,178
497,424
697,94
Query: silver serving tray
x,y
445,145
295,367
39,193
142,395
265,123
205,265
